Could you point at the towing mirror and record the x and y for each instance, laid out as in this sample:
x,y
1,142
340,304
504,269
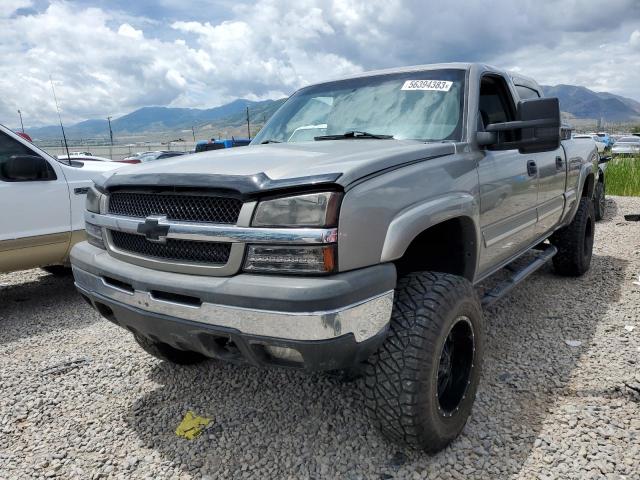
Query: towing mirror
x,y
25,168
537,128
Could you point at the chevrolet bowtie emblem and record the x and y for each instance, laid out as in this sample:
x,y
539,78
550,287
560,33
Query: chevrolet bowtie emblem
x,y
153,230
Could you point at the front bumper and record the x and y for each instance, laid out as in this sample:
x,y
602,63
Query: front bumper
x,y
331,322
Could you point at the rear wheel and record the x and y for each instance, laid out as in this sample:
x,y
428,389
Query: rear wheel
x,y
421,384
575,242
165,352
599,201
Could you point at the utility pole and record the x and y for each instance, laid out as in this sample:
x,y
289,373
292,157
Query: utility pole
x,y
110,131
21,124
248,126
110,137
194,133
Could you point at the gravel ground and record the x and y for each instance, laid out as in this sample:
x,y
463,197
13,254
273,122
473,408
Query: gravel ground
x,y
544,409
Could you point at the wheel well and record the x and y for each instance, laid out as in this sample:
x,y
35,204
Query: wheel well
x,y
448,247
587,189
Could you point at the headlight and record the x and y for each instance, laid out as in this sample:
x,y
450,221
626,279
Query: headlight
x,y
309,210
315,259
94,235
93,200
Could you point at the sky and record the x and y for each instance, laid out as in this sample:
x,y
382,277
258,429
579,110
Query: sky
x,y
110,57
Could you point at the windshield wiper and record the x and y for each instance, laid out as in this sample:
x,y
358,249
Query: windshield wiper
x,y
270,141
353,134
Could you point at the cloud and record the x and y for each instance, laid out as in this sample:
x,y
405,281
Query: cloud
x,y
172,52
127,30
10,7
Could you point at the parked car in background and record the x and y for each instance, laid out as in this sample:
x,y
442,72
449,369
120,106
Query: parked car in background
x,y
159,155
42,201
24,135
601,146
135,157
626,147
205,146
605,138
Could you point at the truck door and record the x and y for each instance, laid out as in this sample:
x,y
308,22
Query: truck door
x,y
552,174
508,182
34,206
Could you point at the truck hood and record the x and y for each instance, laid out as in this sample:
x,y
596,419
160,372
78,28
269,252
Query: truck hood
x,y
259,168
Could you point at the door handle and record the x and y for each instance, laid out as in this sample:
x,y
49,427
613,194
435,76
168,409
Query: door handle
x,y
532,168
559,163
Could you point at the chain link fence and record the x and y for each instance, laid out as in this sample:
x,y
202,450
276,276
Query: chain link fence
x,y
117,151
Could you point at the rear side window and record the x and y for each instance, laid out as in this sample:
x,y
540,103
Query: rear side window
x,y
525,93
496,105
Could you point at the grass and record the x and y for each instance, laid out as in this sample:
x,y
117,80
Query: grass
x,y
622,177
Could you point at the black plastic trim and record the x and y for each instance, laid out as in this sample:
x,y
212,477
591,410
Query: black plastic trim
x,y
228,344
245,185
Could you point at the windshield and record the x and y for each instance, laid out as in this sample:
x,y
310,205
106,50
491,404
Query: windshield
x,y
629,140
424,105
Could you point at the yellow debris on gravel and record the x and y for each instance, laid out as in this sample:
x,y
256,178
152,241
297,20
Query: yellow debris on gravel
x,y
192,426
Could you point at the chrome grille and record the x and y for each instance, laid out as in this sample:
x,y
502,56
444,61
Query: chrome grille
x,y
189,208
176,250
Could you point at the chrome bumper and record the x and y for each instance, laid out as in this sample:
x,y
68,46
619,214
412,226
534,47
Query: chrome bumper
x,y
364,319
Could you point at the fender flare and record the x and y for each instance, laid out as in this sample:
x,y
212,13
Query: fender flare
x,y
414,220
573,196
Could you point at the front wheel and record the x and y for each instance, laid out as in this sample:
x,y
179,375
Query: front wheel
x,y
421,384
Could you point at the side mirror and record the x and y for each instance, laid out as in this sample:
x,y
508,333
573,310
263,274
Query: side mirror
x,y
486,139
537,128
26,168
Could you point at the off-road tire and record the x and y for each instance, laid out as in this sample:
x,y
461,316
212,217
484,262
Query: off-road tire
x,y
599,201
58,270
401,379
165,352
575,242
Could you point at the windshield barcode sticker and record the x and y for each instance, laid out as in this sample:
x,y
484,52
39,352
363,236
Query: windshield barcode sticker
x,y
433,85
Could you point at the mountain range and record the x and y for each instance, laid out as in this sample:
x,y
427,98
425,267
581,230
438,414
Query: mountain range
x,y
578,102
168,119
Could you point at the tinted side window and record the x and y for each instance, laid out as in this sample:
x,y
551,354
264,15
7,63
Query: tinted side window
x,y
526,93
10,167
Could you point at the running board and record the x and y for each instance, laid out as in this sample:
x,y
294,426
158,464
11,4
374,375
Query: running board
x,y
505,287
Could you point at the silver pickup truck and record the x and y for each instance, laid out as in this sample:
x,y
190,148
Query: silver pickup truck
x,y
350,235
